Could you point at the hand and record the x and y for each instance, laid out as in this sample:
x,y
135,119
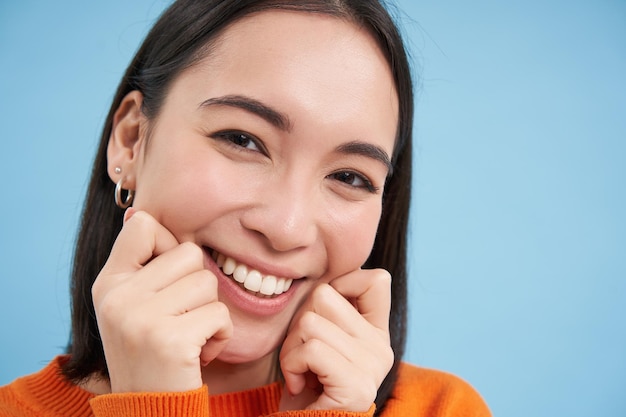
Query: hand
x,y
157,310
338,350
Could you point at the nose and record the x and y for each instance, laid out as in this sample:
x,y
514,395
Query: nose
x,y
285,215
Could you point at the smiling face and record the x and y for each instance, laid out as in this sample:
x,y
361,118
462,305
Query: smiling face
x,y
272,154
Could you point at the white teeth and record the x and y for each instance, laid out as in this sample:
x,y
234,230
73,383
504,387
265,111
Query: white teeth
x,y
240,274
251,279
253,282
229,266
280,286
268,286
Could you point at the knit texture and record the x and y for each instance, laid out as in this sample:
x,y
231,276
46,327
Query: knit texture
x,y
418,393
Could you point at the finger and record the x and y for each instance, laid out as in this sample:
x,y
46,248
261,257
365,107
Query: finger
x,y
167,268
176,347
187,293
205,330
312,326
140,239
217,329
311,356
130,212
368,350
371,292
328,303
330,368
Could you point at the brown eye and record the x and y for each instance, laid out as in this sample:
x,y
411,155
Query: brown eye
x,y
349,178
354,180
240,140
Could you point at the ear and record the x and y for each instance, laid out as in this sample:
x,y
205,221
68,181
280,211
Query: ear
x,y
127,139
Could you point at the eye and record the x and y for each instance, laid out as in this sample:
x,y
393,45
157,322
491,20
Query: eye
x,y
240,140
354,180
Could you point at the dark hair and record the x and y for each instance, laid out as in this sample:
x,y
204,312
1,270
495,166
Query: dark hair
x,y
180,38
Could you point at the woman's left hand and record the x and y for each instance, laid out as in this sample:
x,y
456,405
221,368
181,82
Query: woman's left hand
x,y
337,351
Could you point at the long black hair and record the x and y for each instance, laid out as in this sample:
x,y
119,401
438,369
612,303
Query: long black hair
x,y
181,37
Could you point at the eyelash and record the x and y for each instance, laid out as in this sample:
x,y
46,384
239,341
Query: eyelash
x,y
367,184
231,137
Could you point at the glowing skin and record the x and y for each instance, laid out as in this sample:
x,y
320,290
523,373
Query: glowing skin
x,y
281,195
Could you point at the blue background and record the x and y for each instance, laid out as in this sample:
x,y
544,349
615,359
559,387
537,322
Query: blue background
x,y
518,234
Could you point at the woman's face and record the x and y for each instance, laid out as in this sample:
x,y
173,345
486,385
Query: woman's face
x,y
272,152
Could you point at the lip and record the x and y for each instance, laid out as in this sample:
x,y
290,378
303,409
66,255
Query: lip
x,y
243,300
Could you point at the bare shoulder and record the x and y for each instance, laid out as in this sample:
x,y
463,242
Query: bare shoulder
x,y
423,392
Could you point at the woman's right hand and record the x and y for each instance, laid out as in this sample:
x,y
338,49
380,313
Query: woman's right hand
x,y
157,310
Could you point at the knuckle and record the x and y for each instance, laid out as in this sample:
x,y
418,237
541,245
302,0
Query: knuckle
x,y
97,289
223,314
190,247
204,282
309,320
109,306
323,295
314,347
322,291
141,220
142,217
316,292
382,276
102,285
192,252
221,310
387,359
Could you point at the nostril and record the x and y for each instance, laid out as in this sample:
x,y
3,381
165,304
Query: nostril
x,y
286,223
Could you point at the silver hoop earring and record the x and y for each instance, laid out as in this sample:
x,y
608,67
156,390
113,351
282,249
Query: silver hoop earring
x,y
118,196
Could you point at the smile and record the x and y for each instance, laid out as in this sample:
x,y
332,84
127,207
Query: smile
x,y
251,279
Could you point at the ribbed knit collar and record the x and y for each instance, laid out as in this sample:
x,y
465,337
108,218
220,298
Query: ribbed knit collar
x,y
48,390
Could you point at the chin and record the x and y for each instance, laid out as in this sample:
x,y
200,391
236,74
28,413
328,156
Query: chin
x,y
249,346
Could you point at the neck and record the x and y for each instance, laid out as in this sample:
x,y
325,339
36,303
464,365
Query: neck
x,y
222,377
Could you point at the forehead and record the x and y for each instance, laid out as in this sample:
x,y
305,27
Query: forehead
x,y
302,63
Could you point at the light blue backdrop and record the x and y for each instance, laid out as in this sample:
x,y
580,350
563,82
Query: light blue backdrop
x,y
519,233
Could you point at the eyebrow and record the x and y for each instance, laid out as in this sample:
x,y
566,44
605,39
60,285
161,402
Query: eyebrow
x,y
281,121
276,118
367,150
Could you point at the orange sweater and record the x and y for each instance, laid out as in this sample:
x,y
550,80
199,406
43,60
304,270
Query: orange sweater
x,y
418,393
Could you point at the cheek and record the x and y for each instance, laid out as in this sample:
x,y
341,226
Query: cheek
x,y
184,192
352,238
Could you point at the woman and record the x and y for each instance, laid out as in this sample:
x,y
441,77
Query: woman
x,y
261,153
